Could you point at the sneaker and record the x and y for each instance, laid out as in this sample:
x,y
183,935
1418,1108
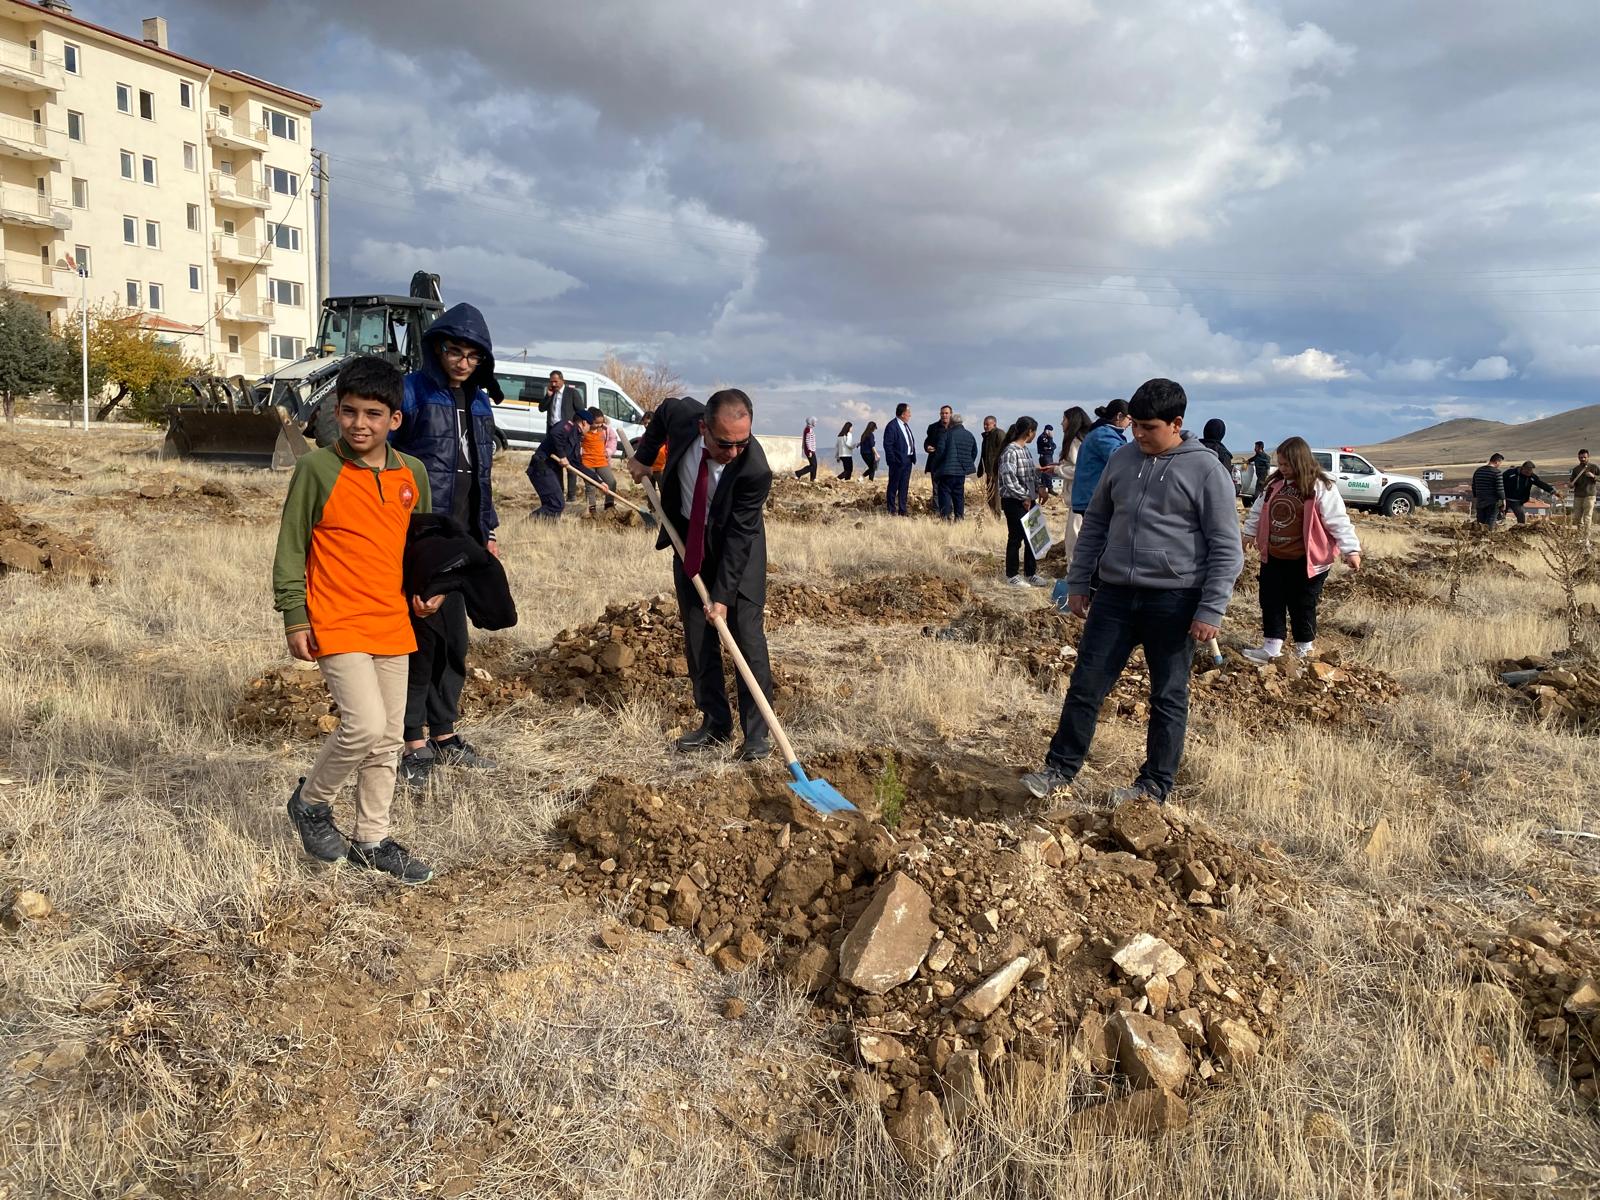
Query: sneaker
x,y
1259,654
1038,581
314,822
1305,649
415,766
1046,783
1017,581
390,857
1123,795
458,752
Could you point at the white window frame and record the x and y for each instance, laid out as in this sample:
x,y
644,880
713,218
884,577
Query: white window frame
x,y
133,293
156,296
128,165
291,124
191,218
185,93
148,171
290,177
279,342
71,57
125,101
130,224
292,230
196,279
74,118
84,259
143,96
76,194
295,292
191,156
152,228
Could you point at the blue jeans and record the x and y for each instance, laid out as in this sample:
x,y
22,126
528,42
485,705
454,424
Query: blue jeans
x,y
1121,618
899,489
951,492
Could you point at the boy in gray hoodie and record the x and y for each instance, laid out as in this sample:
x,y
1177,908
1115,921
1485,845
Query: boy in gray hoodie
x,y
1154,567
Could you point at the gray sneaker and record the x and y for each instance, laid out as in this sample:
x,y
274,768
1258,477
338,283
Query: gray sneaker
x,y
1048,782
458,752
415,766
1122,795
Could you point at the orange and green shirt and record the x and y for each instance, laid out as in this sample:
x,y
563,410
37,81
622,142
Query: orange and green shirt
x,y
339,568
594,449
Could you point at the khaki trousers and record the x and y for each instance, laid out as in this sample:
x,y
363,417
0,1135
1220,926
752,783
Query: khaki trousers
x,y
370,692
1583,507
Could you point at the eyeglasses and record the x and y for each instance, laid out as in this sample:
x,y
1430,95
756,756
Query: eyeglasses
x,y
727,445
473,357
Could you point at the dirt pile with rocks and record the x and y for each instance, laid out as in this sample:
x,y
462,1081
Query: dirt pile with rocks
x,y
34,548
916,596
1040,641
954,940
1384,581
1471,556
1562,689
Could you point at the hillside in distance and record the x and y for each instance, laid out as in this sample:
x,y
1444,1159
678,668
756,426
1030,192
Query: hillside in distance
x,y
1550,441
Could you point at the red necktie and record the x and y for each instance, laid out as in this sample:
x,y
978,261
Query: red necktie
x,y
695,552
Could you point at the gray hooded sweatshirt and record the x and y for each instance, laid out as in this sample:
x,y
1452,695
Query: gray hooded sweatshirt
x,y
1165,521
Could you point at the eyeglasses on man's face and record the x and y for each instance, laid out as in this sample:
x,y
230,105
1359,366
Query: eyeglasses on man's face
x,y
464,354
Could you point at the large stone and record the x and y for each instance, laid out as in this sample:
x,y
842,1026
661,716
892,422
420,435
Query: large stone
x,y
878,1048
1094,1046
800,882
964,1089
941,954
1198,877
23,556
1233,1042
1585,998
684,904
64,1057
807,969
31,906
1144,957
1149,1110
919,1131
1150,1053
891,937
1139,825
1541,931
987,996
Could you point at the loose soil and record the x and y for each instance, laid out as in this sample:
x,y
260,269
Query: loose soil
x,y
37,549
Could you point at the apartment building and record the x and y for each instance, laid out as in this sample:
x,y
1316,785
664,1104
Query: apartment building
x,y
185,187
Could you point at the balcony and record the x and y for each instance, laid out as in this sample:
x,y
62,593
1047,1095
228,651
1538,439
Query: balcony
x,y
247,363
244,307
224,129
29,276
233,248
237,191
31,140
25,206
29,71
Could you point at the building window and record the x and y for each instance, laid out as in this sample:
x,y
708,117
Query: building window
x,y
283,125
155,296
233,343
284,237
191,157
147,105
149,170
185,93
80,255
75,126
69,55
287,291
152,234
80,193
194,218
285,183
287,347
130,231
127,164
194,278
124,99
133,293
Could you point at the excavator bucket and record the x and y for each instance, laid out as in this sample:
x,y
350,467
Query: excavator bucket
x,y
260,437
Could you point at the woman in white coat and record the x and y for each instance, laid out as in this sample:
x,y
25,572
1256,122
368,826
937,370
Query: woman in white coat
x,y
844,449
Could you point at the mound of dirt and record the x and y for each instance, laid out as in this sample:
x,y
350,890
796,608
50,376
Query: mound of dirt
x,y
1471,556
33,463
1038,640
1381,580
37,549
917,596
966,946
1564,689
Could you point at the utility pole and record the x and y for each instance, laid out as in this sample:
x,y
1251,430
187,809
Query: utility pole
x,y
324,213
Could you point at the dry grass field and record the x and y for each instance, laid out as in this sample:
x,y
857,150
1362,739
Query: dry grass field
x,y
203,1012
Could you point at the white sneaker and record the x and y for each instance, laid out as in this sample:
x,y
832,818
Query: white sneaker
x,y
1017,581
1304,649
1037,581
1259,654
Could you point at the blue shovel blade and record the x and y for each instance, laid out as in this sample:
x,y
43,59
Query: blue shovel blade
x,y
818,793
1058,595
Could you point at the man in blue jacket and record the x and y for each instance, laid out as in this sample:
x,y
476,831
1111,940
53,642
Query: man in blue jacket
x,y
1161,537
953,460
561,450
448,423
899,456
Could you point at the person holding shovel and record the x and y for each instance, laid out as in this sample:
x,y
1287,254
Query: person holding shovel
x,y
714,492
561,450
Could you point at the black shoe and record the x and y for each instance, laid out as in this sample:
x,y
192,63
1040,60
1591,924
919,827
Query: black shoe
x,y
458,752
704,738
314,822
755,749
415,766
390,857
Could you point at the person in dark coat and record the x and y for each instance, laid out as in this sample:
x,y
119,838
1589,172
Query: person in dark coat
x,y
899,456
714,491
1520,482
1045,445
1489,491
936,432
994,441
448,423
1211,438
561,449
868,447
955,459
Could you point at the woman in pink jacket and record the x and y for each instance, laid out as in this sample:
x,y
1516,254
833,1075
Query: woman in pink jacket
x,y
1300,527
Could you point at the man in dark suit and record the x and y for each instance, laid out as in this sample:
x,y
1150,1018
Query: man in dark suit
x,y
714,491
899,456
936,433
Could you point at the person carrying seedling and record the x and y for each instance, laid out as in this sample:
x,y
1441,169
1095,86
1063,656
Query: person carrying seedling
x,y
337,578
1300,526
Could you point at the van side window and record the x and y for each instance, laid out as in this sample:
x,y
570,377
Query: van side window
x,y
615,407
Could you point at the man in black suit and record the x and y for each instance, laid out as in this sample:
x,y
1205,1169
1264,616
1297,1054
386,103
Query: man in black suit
x,y
714,491
936,433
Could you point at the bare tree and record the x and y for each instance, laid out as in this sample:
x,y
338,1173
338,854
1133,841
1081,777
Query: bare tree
x,y
1565,556
648,384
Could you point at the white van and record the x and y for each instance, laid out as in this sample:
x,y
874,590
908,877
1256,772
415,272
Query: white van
x,y
522,423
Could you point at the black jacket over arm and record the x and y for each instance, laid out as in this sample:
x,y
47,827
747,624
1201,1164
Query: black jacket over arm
x,y
736,531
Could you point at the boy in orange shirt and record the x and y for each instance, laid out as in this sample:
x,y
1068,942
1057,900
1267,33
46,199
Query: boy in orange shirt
x,y
338,579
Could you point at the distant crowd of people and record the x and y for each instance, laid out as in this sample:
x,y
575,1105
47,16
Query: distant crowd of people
x,y
1499,490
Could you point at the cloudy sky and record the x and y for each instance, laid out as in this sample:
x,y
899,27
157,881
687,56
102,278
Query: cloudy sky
x,y
1341,219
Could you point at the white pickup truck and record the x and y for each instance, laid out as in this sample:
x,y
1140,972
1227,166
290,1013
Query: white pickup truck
x,y
1360,483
